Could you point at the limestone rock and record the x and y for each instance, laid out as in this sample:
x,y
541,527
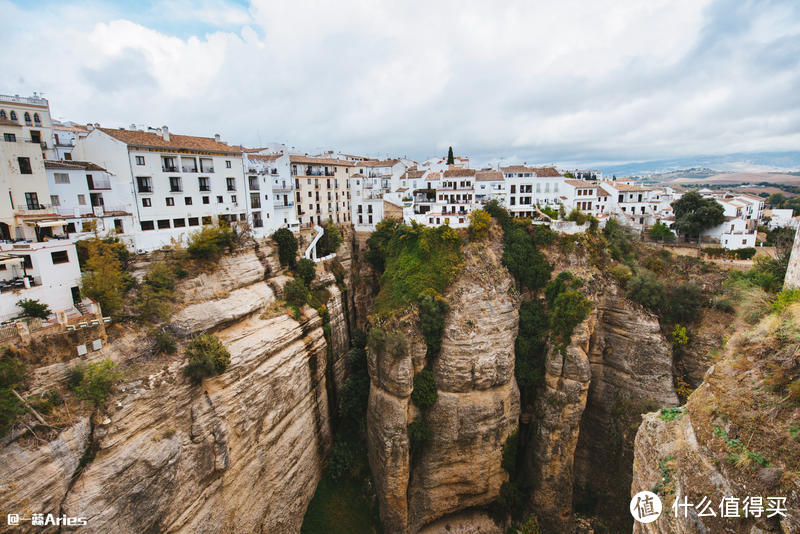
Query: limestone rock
x,y
211,314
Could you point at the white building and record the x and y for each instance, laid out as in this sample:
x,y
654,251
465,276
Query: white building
x,y
581,195
269,198
529,187
782,218
489,185
177,183
33,116
65,136
47,272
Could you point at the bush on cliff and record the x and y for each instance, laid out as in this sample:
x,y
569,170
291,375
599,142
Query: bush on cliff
x,y
287,246
570,308
295,292
418,435
210,242
306,270
432,312
97,381
424,394
479,221
12,375
523,260
207,357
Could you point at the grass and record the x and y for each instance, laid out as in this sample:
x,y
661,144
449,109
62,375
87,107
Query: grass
x,y
339,507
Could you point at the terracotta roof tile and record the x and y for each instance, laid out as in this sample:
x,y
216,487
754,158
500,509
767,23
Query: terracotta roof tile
x,y
489,176
72,165
310,160
264,157
176,142
580,183
451,173
376,163
546,171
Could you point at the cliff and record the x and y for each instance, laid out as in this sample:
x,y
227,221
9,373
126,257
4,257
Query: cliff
x,y
737,437
477,406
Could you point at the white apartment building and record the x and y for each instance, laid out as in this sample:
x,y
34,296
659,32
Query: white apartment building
x,y
581,195
528,187
177,183
65,136
321,189
262,200
489,185
33,116
47,272
782,218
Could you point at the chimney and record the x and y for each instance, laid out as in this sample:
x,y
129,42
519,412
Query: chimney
x,y
217,138
165,133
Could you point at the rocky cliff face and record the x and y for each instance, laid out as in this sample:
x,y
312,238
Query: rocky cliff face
x,y
737,437
242,452
476,410
617,366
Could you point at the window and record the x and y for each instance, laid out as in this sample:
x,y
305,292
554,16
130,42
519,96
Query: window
x,y
61,178
140,160
24,165
219,199
143,184
163,223
146,203
233,199
59,256
253,182
231,183
36,137
203,182
178,223
82,200
32,201
9,138
27,118
187,201
175,184
255,201
148,225
3,114
207,220
36,118
227,164
206,200
54,200
170,201
194,221
13,115
118,225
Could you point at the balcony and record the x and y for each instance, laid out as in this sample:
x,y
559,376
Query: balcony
x,y
205,188
145,189
231,188
176,190
189,168
40,210
206,169
100,185
282,204
169,168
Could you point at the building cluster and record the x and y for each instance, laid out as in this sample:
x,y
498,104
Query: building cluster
x,y
151,188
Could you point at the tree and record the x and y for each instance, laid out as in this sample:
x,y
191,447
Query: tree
x,y
330,240
209,242
693,213
424,394
378,243
34,308
287,246
295,292
662,231
776,200
450,159
306,270
520,256
103,278
648,291
479,221
97,381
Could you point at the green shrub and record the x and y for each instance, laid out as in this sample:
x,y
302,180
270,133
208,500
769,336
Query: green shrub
x,y
418,435
295,292
479,221
424,394
543,236
157,293
577,216
498,212
723,304
683,304
784,299
621,272
679,335
12,375
744,253
530,347
528,265
396,344
287,246
210,242
662,231
376,339
34,308
341,460
432,312
207,357
648,291
510,451
103,278
378,243
557,285
306,270
569,309
512,499
75,375
165,342
97,381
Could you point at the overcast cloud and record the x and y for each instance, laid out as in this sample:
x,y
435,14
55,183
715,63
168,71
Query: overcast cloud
x,y
566,81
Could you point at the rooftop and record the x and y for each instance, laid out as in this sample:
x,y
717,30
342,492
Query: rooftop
x,y
72,165
176,142
489,176
451,173
376,163
311,160
581,183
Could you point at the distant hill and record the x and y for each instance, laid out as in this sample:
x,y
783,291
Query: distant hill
x,y
700,167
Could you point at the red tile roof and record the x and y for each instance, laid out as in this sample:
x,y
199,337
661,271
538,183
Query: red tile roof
x,y
451,173
486,176
546,171
264,157
580,183
320,161
414,174
376,163
176,142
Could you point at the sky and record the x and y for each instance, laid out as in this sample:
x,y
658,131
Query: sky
x,y
566,82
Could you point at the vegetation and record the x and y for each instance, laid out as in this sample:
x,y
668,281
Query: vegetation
x,y
103,277
648,291
693,213
450,158
577,216
34,308
111,244
306,270
378,243
570,308
12,375
432,312
479,221
207,357
156,294
295,292
210,242
418,435
287,246
661,231
165,342
96,381
528,265
424,394
330,240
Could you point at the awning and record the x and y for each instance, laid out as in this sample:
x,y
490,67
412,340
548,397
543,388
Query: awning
x,y
11,261
49,224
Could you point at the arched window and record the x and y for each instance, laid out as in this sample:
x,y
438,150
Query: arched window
x,y
27,118
3,114
13,115
36,118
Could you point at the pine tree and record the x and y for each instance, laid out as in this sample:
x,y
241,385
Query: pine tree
x,y
450,159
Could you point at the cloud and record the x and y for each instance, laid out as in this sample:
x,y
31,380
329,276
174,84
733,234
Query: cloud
x,y
563,81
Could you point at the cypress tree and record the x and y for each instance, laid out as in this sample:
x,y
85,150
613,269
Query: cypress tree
x,y
450,159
